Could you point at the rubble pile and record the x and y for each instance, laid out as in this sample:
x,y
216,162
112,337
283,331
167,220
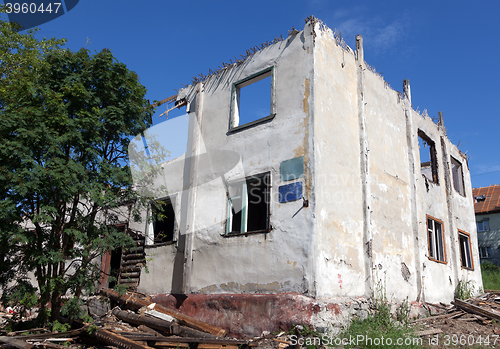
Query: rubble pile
x,y
136,324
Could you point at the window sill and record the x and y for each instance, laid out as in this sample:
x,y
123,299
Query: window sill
x,y
251,124
246,234
437,260
467,268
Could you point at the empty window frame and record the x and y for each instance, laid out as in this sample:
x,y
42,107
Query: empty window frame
x,y
484,252
458,176
428,157
435,235
465,250
248,205
483,225
163,219
252,99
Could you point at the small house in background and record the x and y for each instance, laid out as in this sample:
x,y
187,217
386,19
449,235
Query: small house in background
x,y
487,209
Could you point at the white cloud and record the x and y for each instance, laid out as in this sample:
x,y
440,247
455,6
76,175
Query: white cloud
x,y
379,34
484,169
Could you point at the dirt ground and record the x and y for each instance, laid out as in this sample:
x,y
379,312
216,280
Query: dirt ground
x,y
454,333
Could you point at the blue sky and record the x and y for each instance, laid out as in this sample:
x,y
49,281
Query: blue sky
x,y
447,49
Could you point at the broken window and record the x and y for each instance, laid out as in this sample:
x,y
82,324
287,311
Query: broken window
x,y
248,205
436,240
428,157
465,250
163,217
484,252
252,99
483,225
458,177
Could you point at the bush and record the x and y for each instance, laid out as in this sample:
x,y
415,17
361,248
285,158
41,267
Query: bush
x,y
465,289
491,276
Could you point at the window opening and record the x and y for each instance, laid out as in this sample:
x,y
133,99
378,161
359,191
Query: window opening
x,y
252,99
436,240
428,157
483,225
484,252
458,176
114,267
163,220
248,205
465,250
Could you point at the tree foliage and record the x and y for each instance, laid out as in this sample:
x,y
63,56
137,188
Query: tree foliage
x,y
66,119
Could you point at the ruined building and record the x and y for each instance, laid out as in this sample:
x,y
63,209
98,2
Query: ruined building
x,y
337,187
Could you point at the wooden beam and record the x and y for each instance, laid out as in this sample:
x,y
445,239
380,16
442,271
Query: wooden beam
x,y
137,303
117,340
147,337
476,310
18,343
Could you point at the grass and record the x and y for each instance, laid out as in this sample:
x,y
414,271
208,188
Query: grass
x,y
381,329
491,276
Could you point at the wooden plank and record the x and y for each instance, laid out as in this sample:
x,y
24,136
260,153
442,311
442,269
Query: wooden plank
x,y
15,333
20,344
117,340
429,332
476,310
282,341
72,333
157,324
137,303
443,316
216,346
151,338
172,344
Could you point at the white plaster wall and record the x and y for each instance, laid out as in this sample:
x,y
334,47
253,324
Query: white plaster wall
x,y
338,196
319,250
442,202
390,187
278,261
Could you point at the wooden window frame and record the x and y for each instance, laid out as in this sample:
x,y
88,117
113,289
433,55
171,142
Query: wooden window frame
x,y
428,217
461,232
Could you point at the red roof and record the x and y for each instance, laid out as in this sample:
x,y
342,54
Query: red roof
x,y
491,201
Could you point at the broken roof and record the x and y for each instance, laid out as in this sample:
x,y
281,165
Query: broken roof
x,y
487,199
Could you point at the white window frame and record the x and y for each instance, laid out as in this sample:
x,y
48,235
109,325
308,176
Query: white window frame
x,y
266,176
234,123
484,252
436,240
483,225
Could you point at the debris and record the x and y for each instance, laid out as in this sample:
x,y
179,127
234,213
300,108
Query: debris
x,y
429,332
137,303
475,309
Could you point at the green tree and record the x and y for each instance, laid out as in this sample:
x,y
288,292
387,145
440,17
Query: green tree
x,y
66,119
